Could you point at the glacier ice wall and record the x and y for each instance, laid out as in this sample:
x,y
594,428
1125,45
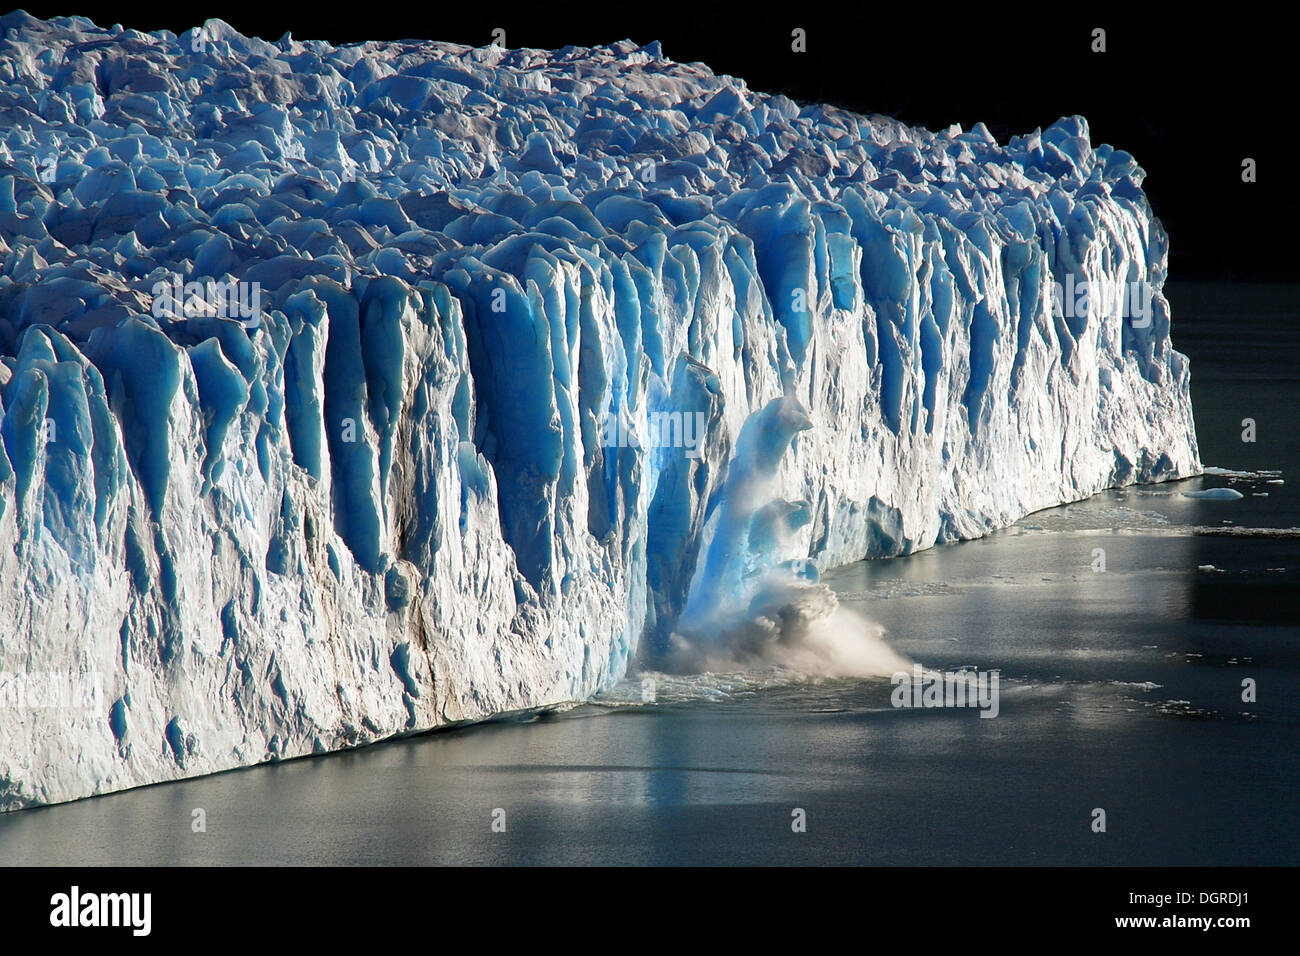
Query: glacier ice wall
x,y
382,496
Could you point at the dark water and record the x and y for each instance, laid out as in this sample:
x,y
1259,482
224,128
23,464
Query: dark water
x,y
1119,690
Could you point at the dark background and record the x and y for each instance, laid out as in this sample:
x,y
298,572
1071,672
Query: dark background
x,y
1190,95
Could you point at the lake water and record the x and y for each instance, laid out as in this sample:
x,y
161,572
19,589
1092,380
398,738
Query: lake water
x,y
1119,690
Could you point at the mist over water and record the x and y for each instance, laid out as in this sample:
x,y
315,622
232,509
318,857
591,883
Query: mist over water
x,y
791,624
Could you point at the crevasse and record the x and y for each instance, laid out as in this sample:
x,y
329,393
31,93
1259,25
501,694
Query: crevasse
x,y
387,500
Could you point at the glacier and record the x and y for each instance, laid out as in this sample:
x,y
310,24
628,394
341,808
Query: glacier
x,y
308,356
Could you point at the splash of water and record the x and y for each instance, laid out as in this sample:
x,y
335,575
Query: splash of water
x,y
791,622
